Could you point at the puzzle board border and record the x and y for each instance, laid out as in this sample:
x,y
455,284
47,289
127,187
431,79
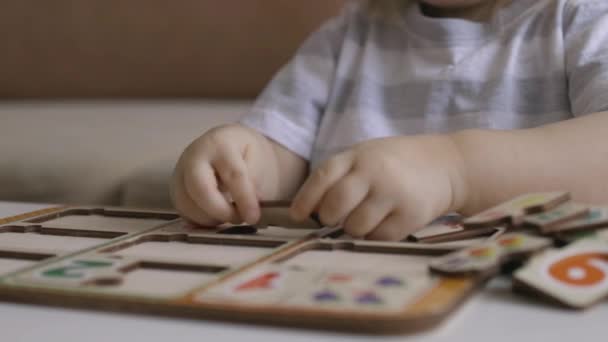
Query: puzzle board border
x,y
416,317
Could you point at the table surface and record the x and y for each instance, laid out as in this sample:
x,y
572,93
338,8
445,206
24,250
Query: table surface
x,y
494,314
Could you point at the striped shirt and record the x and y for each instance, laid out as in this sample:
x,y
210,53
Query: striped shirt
x,y
362,77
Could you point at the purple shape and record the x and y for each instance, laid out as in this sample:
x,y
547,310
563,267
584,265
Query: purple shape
x,y
389,282
455,262
326,296
369,298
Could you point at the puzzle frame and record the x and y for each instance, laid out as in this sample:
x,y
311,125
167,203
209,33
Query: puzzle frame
x,y
92,277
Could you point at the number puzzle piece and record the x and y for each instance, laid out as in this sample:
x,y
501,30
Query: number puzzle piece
x,y
512,213
487,258
448,228
596,217
575,276
446,224
547,221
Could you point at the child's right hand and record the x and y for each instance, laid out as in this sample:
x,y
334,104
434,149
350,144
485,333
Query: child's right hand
x,y
227,163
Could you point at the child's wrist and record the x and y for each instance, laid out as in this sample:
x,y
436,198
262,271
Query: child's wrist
x,y
463,194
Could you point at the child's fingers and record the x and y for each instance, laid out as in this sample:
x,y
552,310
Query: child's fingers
x,y
341,199
201,186
234,175
186,206
367,216
390,229
310,194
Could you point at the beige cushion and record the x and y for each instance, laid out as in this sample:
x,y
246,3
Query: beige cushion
x,y
150,48
100,152
148,186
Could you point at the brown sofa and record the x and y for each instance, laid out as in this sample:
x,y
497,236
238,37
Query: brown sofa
x,y
100,97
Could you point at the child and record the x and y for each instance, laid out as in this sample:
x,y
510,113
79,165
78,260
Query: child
x,y
405,110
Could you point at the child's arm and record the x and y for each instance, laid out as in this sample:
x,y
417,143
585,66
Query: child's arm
x,y
238,161
569,155
387,188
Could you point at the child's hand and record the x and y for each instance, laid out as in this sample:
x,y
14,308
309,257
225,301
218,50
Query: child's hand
x,y
385,189
226,162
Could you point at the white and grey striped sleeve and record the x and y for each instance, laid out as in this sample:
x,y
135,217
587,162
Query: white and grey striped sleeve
x,y
290,108
586,38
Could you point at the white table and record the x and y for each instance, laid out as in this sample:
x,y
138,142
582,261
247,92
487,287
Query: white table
x,y
495,314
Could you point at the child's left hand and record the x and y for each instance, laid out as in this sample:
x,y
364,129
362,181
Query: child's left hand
x,y
385,189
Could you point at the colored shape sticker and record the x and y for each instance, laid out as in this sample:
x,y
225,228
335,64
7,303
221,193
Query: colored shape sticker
x,y
262,282
368,298
339,278
511,242
484,252
550,215
453,221
594,214
455,262
326,296
76,270
529,201
389,282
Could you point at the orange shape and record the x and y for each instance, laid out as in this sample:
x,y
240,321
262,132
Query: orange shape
x,y
262,282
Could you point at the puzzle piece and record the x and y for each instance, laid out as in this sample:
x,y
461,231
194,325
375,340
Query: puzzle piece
x,y
512,213
546,222
575,276
448,228
487,258
596,217
446,224
567,237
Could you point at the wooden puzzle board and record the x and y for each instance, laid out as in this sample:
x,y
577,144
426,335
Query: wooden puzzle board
x,y
153,262
8,265
104,223
39,242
